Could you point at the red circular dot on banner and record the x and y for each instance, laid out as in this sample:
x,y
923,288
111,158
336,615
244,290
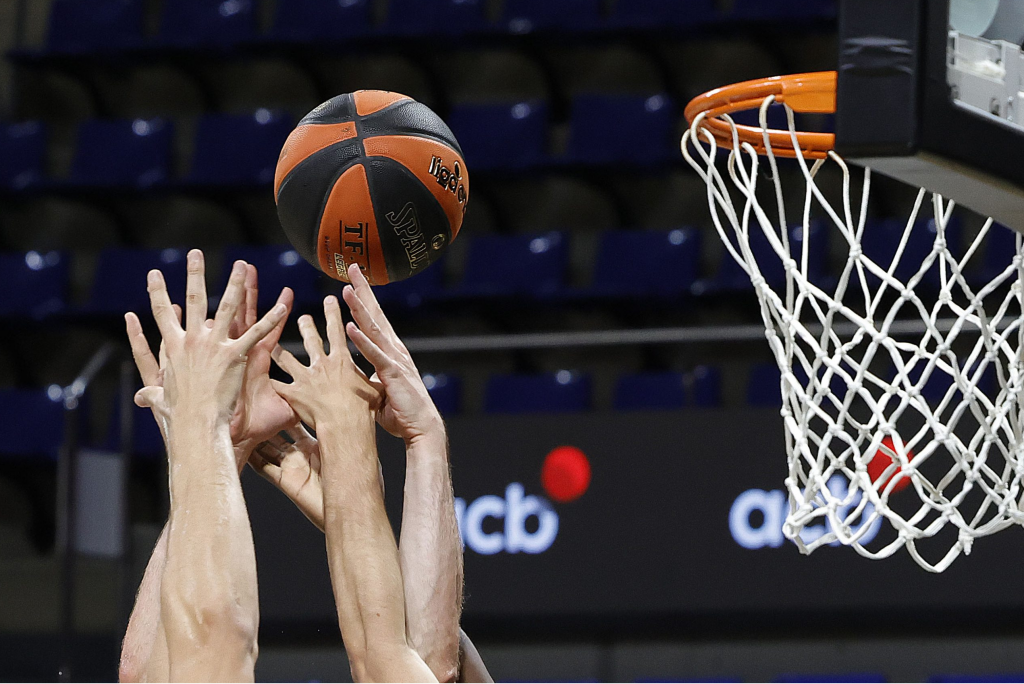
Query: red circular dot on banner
x,y
881,461
565,474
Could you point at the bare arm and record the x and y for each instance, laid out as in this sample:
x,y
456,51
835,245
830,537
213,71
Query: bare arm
x,y
430,551
338,401
259,414
208,596
144,650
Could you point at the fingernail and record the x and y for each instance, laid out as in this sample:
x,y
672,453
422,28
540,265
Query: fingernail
x,y
151,277
278,309
193,256
238,268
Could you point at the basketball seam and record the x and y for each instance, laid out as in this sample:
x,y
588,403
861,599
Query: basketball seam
x,y
307,160
327,196
402,168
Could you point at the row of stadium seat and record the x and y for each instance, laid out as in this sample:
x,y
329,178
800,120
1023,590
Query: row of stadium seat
x,y
41,413
238,149
104,26
629,265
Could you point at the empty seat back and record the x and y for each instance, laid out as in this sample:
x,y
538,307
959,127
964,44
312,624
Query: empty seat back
x,y
33,284
645,263
516,264
22,154
123,152
120,281
501,136
239,149
561,392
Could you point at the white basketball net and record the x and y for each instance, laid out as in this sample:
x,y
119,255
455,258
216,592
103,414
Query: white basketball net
x,y
855,359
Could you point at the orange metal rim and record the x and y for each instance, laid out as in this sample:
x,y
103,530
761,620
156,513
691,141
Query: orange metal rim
x,y
813,93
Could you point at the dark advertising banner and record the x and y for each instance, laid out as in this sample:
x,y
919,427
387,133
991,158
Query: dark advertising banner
x,y
682,515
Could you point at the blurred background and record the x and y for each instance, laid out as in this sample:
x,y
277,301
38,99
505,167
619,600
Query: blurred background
x,y
587,303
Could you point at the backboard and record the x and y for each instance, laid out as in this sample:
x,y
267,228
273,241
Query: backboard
x,y
931,92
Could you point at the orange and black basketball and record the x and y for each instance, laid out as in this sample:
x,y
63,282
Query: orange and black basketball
x,y
372,178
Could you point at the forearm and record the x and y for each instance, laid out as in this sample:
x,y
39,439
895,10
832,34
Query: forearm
x,y
209,594
144,650
361,549
431,556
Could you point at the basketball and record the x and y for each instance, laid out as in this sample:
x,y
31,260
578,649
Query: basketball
x,y
372,178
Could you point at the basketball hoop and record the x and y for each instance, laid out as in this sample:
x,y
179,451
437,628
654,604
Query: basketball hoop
x,y
906,369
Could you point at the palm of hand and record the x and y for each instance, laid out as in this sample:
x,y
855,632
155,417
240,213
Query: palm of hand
x,y
261,412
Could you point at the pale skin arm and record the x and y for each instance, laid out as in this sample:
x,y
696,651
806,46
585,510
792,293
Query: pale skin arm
x,y
260,413
334,397
208,597
430,551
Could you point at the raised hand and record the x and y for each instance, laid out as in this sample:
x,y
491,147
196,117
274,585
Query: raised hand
x,y
150,369
331,386
203,366
294,468
408,411
261,412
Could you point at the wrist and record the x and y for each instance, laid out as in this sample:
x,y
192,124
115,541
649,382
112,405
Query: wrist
x,y
431,440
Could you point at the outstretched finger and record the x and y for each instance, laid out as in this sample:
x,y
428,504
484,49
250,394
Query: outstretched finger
x,y
335,327
365,293
262,328
252,295
160,303
231,301
367,348
311,339
287,297
271,472
147,364
365,318
196,305
286,361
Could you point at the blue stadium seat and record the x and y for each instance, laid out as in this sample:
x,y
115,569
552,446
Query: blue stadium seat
x,y
501,136
561,392
31,422
278,266
707,387
507,265
764,385
731,275
214,23
22,154
526,16
239,149
660,13
453,17
882,238
422,288
120,281
783,10
446,392
649,391
33,284
606,129
647,263
80,26
321,20
123,153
